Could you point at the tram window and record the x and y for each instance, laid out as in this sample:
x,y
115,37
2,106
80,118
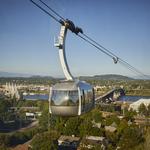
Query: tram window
x,y
73,96
64,98
83,97
88,96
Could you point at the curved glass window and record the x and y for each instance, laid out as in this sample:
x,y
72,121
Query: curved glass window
x,y
88,94
64,98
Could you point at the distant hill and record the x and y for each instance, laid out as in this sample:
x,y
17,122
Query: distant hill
x,y
42,77
96,77
11,75
106,77
15,75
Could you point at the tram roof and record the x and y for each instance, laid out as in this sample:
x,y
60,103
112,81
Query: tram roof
x,y
71,85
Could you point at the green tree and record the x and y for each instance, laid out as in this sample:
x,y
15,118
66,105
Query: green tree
x,y
4,106
147,140
129,114
131,136
112,119
85,127
148,109
71,126
59,123
97,115
96,131
45,141
45,117
143,110
122,126
112,137
4,139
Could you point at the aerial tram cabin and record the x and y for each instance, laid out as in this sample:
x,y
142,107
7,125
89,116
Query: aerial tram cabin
x,y
70,97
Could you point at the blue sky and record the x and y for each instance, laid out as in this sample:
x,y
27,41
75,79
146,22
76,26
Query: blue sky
x,y
27,36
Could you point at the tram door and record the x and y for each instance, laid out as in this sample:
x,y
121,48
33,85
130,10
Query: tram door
x,y
83,101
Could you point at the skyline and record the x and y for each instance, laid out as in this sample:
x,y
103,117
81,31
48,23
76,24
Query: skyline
x,y
27,37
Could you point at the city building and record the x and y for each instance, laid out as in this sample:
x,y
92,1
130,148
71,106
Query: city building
x,y
11,91
90,142
135,105
68,142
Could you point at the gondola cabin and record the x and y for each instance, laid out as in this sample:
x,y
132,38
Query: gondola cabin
x,y
71,98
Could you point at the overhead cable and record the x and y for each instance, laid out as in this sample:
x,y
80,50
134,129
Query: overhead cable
x,y
44,10
52,10
89,40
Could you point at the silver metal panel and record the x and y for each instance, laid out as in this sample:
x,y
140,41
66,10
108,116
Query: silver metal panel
x,y
62,54
72,110
72,85
67,85
84,86
88,107
64,110
79,110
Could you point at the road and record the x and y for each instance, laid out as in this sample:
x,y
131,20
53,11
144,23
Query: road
x,y
33,124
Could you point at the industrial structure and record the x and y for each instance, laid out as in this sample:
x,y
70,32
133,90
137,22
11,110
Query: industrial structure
x,y
11,90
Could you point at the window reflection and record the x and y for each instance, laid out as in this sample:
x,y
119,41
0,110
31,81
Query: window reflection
x,y
64,98
88,94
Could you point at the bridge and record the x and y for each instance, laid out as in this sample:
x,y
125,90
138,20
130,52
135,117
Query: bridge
x,y
110,96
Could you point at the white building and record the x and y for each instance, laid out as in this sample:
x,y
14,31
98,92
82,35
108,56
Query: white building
x,y
90,142
135,105
11,90
68,142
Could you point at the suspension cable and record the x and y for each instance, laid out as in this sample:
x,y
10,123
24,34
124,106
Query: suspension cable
x,y
121,61
94,45
52,10
44,11
90,40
